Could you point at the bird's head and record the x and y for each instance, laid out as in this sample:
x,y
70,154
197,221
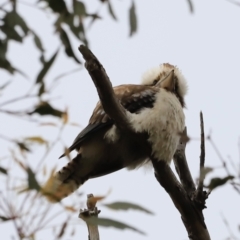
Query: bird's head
x,y
168,77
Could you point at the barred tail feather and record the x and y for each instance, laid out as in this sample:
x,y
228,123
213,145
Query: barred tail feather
x,y
62,183
55,189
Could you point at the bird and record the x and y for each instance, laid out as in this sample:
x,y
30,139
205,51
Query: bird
x,y
154,109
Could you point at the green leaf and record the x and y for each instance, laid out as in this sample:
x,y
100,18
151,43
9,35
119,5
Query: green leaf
x,y
32,182
132,19
4,63
23,146
106,222
3,170
11,33
39,45
58,6
77,30
110,9
4,219
190,4
205,171
36,139
20,22
126,206
38,42
3,48
216,182
66,42
44,108
79,8
47,65
10,21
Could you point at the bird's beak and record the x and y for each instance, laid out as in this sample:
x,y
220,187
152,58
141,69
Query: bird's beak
x,y
168,82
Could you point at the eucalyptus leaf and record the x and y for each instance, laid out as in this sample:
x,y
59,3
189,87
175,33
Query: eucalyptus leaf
x,y
110,9
44,108
32,182
126,206
216,182
66,42
132,19
4,219
3,170
106,222
79,8
46,66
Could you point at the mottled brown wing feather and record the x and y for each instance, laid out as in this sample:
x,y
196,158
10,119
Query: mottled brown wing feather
x,y
132,97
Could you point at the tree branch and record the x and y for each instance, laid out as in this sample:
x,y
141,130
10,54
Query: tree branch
x,y
105,91
181,165
85,214
192,216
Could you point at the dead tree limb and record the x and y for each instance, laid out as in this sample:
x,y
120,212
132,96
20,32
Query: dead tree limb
x,y
191,216
181,165
85,214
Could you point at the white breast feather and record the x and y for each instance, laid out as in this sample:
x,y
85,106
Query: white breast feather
x,y
149,76
164,123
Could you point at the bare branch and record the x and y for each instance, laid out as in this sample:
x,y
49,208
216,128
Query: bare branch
x,y
92,211
202,160
181,165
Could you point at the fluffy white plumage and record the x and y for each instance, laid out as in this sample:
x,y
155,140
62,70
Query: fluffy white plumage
x,y
164,123
160,72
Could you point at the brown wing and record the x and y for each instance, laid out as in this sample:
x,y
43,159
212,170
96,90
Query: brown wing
x,y
132,97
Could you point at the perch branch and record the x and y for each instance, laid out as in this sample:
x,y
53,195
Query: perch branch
x,y
105,91
85,214
181,165
191,218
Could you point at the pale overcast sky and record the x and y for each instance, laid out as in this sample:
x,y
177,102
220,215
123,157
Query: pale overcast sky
x,y
205,45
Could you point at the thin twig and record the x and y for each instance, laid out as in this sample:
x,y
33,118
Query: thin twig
x,y
233,237
49,149
202,159
13,100
224,164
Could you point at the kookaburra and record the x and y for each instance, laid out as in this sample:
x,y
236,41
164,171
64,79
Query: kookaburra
x,y
155,107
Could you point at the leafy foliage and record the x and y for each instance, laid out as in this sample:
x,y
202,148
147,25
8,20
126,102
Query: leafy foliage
x,y
216,182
